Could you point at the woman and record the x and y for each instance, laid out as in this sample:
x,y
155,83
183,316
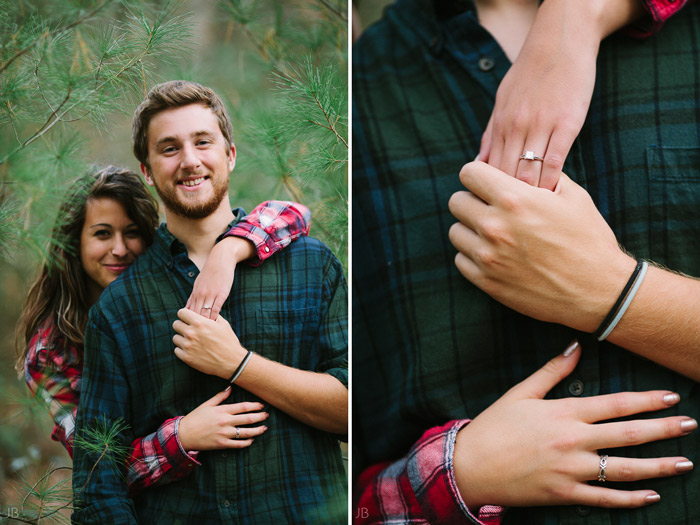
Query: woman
x,y
107,220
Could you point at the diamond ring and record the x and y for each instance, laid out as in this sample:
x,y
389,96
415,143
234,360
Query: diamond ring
x,y
530,155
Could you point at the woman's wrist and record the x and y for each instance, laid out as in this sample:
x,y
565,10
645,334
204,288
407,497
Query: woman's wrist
x,y
238,249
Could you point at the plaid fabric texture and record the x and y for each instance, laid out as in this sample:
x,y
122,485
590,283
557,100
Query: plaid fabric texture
x,y
429,347
292,309
420,487
658,12
272,225
53,369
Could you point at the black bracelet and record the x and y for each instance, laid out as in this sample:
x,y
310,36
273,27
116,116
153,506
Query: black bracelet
x,y
240,368
618,304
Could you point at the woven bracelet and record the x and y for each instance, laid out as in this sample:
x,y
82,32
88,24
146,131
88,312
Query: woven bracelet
x,y
240,368
623,301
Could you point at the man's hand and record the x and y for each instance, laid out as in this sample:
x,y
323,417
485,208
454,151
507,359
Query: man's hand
x,y
213,426
208,346
548,255
214,282
527,451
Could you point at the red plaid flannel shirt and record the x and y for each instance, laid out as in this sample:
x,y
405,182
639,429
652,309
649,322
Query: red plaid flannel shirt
x,y
420,487
53,369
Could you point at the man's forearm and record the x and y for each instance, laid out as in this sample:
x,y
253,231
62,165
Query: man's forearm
x,y
316,399
663,322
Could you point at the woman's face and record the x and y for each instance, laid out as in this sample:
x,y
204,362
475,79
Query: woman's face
x,y
109,243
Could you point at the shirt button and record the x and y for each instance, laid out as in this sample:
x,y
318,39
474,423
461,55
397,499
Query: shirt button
x,y
486,63
191,274
226,503
576,387
267,249
583,511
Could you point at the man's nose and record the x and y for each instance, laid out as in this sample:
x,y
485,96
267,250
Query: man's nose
x,y
190,159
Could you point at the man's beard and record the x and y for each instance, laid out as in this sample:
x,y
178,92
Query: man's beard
x,y
193,211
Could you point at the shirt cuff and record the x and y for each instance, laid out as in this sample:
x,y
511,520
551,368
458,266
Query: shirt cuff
x,y
186,455
658,11
431,472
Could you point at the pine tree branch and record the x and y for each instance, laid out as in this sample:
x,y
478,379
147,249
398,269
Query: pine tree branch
x,y
56,117
343,16
331,125
46,34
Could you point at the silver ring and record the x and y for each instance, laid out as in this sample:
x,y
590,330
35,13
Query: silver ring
x,y
601,470
530,155
238,433
206,307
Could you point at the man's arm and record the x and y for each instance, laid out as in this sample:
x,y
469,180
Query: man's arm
x,y
318,398
552,256
99,487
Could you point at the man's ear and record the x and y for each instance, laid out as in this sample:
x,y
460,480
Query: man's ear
x,y
232,158
146,174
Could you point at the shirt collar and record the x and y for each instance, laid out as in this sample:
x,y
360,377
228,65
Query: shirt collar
x,y
166,244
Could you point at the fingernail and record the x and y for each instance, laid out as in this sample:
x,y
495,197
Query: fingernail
x,y
684,466
688,425
652,498
227,388
478,155
265,428
671,399
571,348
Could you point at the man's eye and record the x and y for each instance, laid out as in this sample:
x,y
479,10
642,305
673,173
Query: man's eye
x,y
203,142
169,149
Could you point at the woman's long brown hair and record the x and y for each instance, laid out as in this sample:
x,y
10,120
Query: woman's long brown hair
x,y
59,293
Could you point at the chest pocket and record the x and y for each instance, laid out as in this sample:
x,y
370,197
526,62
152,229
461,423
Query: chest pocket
x,y
674,207
289,336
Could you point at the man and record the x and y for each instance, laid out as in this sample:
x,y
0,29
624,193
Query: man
x,y
289,349
429,347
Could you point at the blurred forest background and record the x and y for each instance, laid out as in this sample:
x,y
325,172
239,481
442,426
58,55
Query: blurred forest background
x,y
71,74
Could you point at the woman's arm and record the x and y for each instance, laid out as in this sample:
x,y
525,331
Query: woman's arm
x,y
53,374
525,451
270,227
543,100
168,454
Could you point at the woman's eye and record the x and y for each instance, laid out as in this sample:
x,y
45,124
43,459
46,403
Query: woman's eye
x,y
133,234
102,233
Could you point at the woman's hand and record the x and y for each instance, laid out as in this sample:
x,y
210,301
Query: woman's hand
x,y
213,426
542,102
206,345
213,284
527,451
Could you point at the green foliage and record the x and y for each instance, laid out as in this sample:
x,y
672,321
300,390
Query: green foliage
x,y
300,135
61,63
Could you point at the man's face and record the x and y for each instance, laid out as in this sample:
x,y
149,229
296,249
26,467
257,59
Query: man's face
x,y
189,160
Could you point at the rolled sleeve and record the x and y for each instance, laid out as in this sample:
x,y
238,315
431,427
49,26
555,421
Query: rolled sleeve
x,y
420,487
271,226
657,13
